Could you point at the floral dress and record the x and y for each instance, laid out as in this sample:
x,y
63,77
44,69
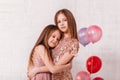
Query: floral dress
x,y
65,46
38,63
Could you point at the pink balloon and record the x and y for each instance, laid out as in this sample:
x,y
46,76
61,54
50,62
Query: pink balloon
x,y
94,33
82,37
98,78
83,75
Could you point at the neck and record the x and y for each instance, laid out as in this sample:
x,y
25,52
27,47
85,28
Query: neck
x,y
67,35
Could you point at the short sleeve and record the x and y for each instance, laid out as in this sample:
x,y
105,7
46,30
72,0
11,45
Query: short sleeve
x,y
73,47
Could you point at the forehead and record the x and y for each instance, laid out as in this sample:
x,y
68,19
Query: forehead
x,y
54,32
60,15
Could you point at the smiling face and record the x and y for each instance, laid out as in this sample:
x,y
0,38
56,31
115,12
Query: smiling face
x,y
62,22
54,38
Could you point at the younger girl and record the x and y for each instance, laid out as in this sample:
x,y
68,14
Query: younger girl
x,y
41,54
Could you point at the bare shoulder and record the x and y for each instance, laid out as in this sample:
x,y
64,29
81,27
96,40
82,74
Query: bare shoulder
x,y
39,48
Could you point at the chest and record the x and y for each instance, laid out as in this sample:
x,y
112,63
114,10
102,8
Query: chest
x,y
60,50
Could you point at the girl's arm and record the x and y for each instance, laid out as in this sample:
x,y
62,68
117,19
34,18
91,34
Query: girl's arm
x,y
69,54
49,66
66,58
34,70
48,61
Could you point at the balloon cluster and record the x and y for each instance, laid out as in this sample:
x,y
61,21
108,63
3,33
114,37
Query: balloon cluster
x,y
91,34
93,65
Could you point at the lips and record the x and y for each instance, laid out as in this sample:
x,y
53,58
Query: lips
x,y
62,27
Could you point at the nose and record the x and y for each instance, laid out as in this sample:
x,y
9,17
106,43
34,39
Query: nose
x,y
55,39
62,23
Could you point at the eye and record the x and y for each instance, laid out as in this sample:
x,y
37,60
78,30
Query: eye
x,y
53,36
65,19
58,21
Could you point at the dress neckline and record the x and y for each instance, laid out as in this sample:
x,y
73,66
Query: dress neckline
x,y
66,38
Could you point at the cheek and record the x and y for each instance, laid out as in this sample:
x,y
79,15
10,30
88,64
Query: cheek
x,y
66,23
57,42
48,41
58,25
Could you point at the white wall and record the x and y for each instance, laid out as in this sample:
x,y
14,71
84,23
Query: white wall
x,y
21,22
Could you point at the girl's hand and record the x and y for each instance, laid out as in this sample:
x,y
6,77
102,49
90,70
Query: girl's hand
x,y
31,73
69,65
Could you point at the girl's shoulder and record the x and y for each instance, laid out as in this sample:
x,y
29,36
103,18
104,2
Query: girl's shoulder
x,y
69,39
73,40
40,49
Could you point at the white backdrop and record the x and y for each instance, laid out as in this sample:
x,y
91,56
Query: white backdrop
x,y
21,22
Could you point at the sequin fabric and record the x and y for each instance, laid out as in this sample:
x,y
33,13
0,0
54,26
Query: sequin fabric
x,y
65,46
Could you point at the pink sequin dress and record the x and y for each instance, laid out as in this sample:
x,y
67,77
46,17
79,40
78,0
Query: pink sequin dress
x,y
38,63
64,46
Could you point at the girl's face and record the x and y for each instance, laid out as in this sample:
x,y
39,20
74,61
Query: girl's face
x,y
62,22
54,38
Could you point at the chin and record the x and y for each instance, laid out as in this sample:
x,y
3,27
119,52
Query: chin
x,y
52,46
64,30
